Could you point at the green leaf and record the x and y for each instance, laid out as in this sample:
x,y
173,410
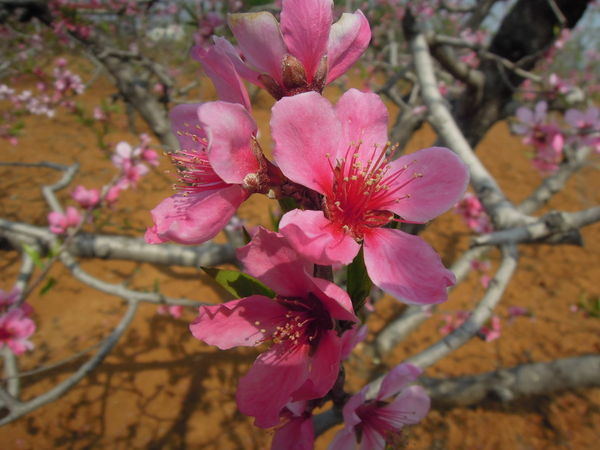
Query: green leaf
x,y
238,283
50,282
34,255
359,283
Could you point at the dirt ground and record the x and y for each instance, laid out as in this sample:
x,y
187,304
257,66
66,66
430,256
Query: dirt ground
x,y
160,388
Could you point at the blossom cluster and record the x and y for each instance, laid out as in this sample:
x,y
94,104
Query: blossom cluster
x,y
16,325
132,163
550,140
343,189
51,94
473,213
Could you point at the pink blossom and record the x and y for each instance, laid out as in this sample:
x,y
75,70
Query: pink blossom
x,y
59,222
548,142
453,321
481,265
587,127
341,153
371,424
352,338
207,25
150,156
304,53
517,311
443,88
15,329
128,160
113,194
546,138
485,280
473,213
175,311
559,85
219,162
489,332
222,72
99,114
492,330
217,173
300,323
296,431
87,198
530,119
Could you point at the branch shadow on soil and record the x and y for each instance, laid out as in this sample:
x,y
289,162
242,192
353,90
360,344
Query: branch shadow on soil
x,y
154,391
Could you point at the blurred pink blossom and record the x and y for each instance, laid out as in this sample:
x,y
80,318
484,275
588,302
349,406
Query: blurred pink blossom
x,y
175,311
15,330
87,198
473,213
60,223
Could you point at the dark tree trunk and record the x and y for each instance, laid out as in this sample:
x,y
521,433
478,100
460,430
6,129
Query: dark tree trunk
x,y
525,34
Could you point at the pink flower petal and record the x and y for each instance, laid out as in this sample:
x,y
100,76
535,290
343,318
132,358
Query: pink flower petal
x,y
324,368
282,366
372,440
349,411
230,129
221,71
352,338
307,135
194,218
406,267
397,379
343,440
244,322
364,119
186,127
73,217
260,40
435,179
317,239
348,39
123,150
270,258
297,434
224,46
57,221
305,26
408,408
335,299
525,115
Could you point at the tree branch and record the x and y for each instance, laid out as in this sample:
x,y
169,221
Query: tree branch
x,y
501,211
556,227
413,316
511,384
110,246
554,183
480,315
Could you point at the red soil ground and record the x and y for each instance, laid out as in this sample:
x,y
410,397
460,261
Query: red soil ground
x,y
161,388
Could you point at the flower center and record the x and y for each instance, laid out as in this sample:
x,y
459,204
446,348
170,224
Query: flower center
x,y
6,334
194,171
303,323
362,192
